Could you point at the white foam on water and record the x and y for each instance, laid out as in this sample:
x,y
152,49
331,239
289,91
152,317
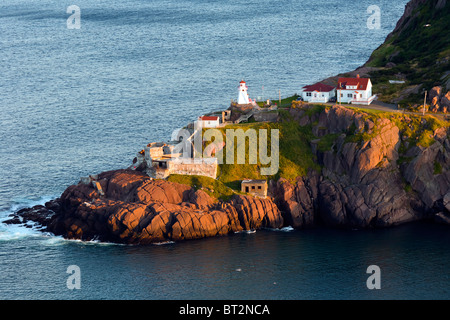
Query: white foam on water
x,y
22,203
9,232
285,229
246,231
58,240
163,243
16,232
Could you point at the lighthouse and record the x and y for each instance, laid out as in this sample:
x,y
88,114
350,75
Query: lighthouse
x,y
243,95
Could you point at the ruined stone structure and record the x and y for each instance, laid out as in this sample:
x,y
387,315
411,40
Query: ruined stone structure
x,y
255,187
201,167
160,161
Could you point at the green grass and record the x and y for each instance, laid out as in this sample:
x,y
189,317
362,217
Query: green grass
x,y
419,130
368,111
437,168
408,187
295,154
426,139
211,186
327,141
285,102
380,55
232,174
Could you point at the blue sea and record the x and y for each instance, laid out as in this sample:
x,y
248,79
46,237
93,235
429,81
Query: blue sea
x,y
75,102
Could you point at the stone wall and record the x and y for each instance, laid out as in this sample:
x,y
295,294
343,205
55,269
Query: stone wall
x,y
202,167
266,116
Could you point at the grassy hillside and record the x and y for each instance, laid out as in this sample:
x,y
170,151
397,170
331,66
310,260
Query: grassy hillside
x,y
211,186
295,159
418,51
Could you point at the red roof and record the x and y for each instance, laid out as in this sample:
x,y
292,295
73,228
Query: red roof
x,y
320,87
242,81
209,118
360,83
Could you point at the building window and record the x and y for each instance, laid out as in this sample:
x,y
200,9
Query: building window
x,y
342,95
259,187
253,187
349,95
308,94
360,95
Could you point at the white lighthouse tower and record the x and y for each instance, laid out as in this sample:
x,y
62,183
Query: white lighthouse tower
x,y
243,95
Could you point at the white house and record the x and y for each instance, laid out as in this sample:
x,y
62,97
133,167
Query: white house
x,y
318,92
355,91
208,122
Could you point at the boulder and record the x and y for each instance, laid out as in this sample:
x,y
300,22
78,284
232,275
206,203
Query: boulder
x,y
434,93
445,101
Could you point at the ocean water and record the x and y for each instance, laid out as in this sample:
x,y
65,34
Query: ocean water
x,y
75,102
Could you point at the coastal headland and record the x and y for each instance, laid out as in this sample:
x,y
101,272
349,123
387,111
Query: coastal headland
x,y
339,166
358,169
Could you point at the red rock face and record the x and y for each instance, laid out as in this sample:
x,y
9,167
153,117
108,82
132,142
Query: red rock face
x,y
361,185
139,210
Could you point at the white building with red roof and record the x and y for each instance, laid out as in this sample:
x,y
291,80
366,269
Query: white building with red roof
x,y
318,92
208,122
355,91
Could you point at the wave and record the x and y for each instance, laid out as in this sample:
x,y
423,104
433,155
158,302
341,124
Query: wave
x,y
22,203
33,231
246,231
163,243
58,240
285,229
10,232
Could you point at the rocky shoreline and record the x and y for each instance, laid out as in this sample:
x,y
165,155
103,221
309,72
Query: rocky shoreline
x,y
136,209
379,181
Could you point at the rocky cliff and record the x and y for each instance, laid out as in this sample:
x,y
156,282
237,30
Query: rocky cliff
x,y
376,171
